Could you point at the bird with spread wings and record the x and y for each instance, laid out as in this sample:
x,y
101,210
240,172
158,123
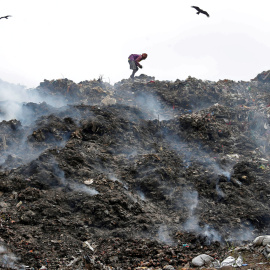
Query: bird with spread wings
x,y
201,11
5,17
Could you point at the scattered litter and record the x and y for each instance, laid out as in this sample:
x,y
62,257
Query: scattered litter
x,y
86,244
201,260
88,182
197,150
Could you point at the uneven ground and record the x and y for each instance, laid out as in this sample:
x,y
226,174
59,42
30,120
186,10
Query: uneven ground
x,y
143,174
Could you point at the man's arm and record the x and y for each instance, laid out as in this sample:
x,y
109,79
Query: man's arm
x,y
137,60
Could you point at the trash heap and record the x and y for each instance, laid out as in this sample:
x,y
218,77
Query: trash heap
x,y
143,174
85,91
263,77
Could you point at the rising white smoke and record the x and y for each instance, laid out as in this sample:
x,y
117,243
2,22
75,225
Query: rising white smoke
x,y
13,97
192,223
151,106
7,259
73,185
164,236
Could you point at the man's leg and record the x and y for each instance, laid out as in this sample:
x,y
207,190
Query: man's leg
x,y
133,73
134,68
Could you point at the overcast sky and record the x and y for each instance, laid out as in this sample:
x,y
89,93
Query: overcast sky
x,y
84,39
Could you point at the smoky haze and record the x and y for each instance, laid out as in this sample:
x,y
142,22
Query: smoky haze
x,y
14,99
137,166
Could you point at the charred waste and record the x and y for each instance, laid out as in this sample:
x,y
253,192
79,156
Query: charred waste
x,y
142,174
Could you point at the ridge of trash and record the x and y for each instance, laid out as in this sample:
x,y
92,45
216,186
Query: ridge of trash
x,y
142,174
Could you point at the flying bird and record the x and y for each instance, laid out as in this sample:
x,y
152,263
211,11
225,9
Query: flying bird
x,y
201,11
5,17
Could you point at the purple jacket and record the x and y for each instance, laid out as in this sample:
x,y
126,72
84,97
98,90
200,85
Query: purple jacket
x,y
135,57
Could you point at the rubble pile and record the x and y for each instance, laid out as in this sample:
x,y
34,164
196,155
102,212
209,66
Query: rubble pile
x,y
144,174
263,77
86,91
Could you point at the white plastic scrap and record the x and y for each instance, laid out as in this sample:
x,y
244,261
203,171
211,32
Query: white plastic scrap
x,y
232,156
201,260
263,160
228,261
86,244
231,261
239,261
73,261
88,182
262,240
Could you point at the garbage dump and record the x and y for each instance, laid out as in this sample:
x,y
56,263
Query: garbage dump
x,y
142,174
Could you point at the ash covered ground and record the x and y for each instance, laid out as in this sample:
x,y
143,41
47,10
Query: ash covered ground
x,y
143,174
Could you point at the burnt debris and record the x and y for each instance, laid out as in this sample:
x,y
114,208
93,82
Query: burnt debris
x,y
143,174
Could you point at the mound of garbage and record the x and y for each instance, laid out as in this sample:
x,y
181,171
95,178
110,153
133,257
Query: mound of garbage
x,y
143,174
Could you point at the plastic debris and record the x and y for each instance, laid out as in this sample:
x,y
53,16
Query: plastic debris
x,y
262,240
231,261
86,244
201,260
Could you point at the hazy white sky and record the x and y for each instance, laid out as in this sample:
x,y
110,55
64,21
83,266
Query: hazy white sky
x,y
83,39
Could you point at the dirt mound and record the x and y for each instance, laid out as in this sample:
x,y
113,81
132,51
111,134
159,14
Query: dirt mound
x,y
144,173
